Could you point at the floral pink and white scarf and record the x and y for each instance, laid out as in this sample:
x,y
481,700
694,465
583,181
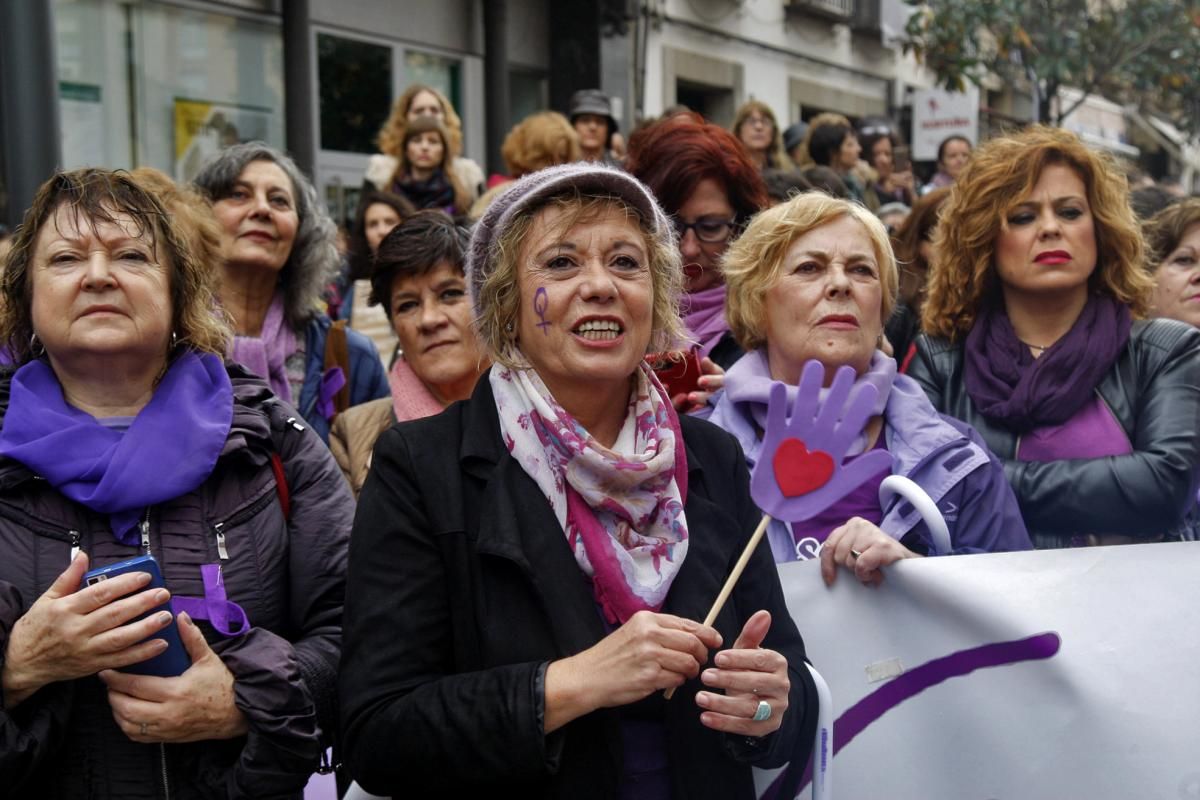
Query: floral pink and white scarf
x,y
621,508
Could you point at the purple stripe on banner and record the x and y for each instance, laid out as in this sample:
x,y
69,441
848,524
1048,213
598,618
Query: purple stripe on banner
x,y
855,719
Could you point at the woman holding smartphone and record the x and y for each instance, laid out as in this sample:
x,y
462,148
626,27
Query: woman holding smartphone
x,y
123,432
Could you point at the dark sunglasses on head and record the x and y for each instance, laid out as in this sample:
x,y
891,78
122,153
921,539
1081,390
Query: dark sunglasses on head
x,y
710,230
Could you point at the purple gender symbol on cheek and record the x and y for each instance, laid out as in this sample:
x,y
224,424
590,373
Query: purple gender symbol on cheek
x,y
855,719
541,301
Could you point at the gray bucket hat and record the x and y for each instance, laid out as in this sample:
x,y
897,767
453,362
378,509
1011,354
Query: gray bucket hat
x,y
593,101
534,189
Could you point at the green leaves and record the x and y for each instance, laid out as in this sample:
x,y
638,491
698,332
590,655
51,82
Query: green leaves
x,y
1133,51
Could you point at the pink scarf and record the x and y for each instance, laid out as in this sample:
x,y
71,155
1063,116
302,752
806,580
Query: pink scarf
x,y
621,508
266,355
410,398
705,317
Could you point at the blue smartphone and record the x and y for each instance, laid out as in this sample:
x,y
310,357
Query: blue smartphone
x,y
170,662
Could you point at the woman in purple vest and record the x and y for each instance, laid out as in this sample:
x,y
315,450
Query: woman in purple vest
x,y
813,280
1035,335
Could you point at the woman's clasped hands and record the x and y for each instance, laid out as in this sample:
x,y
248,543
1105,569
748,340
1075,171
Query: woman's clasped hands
x,y
653,652
72,632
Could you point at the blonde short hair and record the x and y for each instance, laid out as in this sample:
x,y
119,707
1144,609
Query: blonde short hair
x,y
499,295
754,262
540,140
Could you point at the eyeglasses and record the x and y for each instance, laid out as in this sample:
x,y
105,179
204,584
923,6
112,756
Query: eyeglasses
x,y
709,230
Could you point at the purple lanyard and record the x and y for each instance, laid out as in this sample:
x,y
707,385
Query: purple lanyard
x,y
226,616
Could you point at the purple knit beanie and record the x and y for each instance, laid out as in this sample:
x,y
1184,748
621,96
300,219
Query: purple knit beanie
x,y
538,187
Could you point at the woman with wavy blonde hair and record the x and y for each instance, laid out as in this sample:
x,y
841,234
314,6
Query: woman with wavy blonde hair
x,y
1035,335
417,101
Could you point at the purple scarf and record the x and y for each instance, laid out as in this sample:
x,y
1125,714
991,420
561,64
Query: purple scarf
x,y
169,450
705,317
1009,385
266,355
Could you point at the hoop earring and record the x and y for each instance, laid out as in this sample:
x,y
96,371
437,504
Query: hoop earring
x,y
36,348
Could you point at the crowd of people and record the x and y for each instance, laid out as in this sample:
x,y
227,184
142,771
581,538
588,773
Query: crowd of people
x,y
437,505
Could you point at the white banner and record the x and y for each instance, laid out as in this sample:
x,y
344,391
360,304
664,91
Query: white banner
x,y
1049,674
937,114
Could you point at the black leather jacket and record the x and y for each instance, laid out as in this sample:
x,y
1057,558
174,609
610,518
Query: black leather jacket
x,y
1153,390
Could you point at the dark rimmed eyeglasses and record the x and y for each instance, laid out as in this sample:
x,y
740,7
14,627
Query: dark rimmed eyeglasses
x,y
710,230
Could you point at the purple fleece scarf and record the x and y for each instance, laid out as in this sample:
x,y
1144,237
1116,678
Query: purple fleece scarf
x,y
705,317
1009,385
266,355
169,450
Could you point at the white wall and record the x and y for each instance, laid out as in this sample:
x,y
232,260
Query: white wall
x,y
807,39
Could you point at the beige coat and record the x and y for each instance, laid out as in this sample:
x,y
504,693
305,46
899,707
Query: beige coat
x,y
352,438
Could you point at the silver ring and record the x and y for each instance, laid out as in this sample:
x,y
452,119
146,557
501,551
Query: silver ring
x,y
763,712
854,553
142,731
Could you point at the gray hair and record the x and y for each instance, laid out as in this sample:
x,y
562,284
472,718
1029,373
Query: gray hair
x,y
314,259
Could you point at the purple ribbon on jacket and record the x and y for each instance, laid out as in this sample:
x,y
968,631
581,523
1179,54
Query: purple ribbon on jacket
x,y
331,383
226,616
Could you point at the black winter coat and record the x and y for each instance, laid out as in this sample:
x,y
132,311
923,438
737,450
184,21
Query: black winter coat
x,y
1153,390
288,575
462,589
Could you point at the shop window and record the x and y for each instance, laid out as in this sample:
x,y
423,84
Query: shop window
x,y
154,85
355,80
443,74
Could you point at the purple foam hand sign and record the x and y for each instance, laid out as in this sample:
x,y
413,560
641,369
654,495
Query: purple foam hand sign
x,y
799,472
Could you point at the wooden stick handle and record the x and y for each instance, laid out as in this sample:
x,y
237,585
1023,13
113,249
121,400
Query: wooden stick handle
x,y
732,580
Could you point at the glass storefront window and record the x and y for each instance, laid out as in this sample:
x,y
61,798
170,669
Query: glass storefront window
x,y
443,74
355,80
144,84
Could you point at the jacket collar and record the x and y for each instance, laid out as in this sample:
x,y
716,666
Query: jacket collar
x,y
528,533
483,444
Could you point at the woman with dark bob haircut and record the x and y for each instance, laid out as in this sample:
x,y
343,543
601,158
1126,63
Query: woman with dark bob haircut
x,y
279,257
704,180
1035,335
418,279
126,434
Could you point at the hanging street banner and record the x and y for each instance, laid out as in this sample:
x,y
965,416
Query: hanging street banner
x,y
1048,674
937,114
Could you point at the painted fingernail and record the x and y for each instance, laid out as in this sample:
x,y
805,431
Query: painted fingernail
x,y
161,596
143,578
164,617
160,644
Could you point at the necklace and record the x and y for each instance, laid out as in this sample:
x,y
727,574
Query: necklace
x,y
1038,347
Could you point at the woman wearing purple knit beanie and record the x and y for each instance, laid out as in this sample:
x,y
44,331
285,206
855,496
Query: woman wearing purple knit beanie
x,y
528,565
